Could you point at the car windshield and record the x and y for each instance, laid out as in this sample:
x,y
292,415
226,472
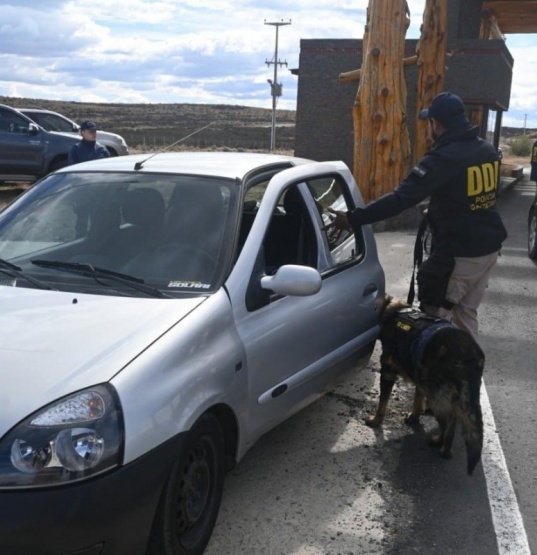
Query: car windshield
x,y
172,233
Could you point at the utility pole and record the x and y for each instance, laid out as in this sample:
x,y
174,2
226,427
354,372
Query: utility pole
x,y
525,121
275,87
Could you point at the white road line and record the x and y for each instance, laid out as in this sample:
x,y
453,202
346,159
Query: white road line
x,y
508,525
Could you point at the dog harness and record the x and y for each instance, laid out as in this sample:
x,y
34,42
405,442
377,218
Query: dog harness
x,y
413,330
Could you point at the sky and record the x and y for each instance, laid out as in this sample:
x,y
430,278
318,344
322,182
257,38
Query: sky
x,y
192,51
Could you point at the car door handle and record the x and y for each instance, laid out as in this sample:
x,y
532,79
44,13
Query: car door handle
x,y
276,392
370,289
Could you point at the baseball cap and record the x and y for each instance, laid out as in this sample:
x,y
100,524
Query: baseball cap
x,y
88,124
448,109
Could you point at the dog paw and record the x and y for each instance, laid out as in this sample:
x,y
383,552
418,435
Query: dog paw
x,y
412,418
373,421
435,439
446,453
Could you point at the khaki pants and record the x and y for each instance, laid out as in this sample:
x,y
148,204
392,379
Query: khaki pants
x,y
465,290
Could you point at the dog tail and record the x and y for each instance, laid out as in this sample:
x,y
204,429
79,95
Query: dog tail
x,y
472,418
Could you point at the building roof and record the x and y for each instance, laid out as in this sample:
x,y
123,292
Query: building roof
x,y
514,16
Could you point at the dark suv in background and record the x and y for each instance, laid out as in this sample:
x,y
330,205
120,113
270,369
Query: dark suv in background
x,y
52,121
29,150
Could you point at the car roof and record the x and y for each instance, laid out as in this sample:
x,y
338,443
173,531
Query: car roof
x,y
230,165
16,110
34,109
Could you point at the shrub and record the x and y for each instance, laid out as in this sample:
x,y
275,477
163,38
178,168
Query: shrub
x,y
520,146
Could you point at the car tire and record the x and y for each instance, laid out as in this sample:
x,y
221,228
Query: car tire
x,y
532,235
189,504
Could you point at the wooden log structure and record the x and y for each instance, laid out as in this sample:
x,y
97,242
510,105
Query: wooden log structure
x,y
489,27
355,74
381,141
431,52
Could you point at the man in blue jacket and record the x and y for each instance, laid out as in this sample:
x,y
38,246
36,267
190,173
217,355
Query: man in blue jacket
x,y
88,148
460,175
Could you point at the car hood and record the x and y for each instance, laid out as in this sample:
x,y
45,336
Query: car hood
x,y
101,135
66,134
54,343
108,135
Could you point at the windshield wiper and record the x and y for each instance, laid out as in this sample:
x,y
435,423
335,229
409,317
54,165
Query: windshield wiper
x,y
101,273
16,272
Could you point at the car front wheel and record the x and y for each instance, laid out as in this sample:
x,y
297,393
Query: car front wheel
x,y
532,235
191,498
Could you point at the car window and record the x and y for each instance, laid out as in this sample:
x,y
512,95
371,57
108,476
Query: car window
x,y
329,193
174,232
290,236
302,216
50,122
11,122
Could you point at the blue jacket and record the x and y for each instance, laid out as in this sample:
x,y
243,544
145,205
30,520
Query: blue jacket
x,y
460,174
85,151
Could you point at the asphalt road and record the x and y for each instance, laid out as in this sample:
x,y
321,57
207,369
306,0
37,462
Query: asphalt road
x,y
323,483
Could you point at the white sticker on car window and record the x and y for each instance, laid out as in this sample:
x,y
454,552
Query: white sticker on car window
x,y
189,284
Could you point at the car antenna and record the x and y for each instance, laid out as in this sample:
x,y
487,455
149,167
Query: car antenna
x,y
138,165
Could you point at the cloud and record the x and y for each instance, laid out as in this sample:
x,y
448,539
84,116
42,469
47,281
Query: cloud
x,y
205,51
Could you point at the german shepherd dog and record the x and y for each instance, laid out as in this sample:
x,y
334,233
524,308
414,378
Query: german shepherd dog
x,y
444,363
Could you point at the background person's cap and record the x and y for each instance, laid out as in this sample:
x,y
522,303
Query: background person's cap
x,y
448,109
88,124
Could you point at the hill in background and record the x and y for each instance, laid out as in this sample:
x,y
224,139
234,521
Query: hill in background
x,y
152,126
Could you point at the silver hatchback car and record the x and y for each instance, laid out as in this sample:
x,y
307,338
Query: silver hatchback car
x,y
159,314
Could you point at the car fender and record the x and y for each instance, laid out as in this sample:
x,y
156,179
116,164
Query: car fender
x,y
198,364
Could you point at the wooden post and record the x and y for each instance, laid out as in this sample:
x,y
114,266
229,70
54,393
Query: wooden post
x,y
381,142
431,51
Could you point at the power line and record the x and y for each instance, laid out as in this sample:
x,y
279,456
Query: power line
x,y
275,87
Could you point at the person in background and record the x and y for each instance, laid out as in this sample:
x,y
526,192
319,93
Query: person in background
x,y
88,148
533,174
460,174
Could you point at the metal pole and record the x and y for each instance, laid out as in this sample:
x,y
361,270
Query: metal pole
x,y
273,128
274,85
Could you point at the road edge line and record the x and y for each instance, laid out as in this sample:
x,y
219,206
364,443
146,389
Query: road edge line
x,y
506,516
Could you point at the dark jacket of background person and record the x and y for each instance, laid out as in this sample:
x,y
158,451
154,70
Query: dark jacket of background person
x,y
85,151
460,174
88,148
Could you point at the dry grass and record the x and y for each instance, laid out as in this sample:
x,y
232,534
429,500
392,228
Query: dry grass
x,y
151,127
515,160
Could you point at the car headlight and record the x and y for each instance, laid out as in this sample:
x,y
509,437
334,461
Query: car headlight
x,y
71,439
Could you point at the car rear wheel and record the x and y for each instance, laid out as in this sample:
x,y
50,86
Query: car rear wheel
x,y
532,235
191,498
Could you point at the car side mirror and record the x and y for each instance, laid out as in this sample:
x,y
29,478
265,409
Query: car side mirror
x,y
293,280
33,129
